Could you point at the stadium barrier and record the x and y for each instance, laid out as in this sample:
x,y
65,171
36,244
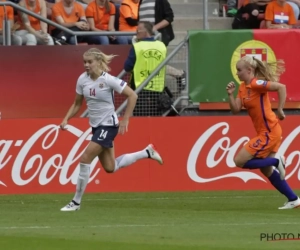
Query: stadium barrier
x,y
213,56
37,157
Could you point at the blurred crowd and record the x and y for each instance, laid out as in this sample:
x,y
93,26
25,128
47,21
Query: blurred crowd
x,y
264,14
85,15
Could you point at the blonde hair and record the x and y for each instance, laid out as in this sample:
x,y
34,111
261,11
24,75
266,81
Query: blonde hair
x,y
101,57
269,71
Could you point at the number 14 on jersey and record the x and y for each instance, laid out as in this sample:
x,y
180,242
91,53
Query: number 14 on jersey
x,y
92,92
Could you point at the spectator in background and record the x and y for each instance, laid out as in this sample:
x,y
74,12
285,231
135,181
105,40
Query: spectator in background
x,y
84,3
8,12
129,16
295,4
279,15
49,5
231,8
160,14
16,2
32,30
117,4
253,9
143,58
70,14
101,17
248,16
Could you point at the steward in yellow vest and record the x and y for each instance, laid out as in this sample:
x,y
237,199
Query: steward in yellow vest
x,y
143,58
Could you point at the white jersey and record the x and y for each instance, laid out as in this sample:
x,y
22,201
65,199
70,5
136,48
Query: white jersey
x,y
99,96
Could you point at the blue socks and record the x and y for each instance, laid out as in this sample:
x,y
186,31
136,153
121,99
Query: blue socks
x,y
261,163
282,186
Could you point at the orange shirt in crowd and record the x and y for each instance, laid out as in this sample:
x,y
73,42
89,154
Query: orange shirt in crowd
x,y
280,14
128,9
99,14
59,10
255,99
9,14
34,22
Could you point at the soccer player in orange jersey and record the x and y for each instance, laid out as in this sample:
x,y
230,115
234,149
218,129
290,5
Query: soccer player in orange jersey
x,y
258,78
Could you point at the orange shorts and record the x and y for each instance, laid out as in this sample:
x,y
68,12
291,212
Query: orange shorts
x,y
265,143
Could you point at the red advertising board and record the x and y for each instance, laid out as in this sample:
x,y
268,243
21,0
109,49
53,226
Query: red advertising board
x,y
40,81
37,157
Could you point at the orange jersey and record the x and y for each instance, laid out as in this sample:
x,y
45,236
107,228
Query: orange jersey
x,y
9,14
76,14
280,14
34,22
128,9
255,99
99,14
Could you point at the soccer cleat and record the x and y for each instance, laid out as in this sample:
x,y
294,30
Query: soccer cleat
x,y
70,207
281,167
153,154
291,204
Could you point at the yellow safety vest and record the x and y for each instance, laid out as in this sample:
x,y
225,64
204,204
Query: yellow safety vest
x,y
149,54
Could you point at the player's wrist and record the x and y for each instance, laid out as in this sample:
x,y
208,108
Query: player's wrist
x,y
126,118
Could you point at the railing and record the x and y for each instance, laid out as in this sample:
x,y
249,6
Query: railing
x,y
7,28
156,71
205,15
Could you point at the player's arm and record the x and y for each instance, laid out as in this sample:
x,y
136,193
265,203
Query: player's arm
x,y
281,91
131,97
234,103
74,108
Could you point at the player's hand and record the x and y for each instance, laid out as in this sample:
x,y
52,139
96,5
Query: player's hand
x,y
123,126
63,125
281,114
230,88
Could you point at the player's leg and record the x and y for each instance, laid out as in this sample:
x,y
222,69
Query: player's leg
x,y
254,155
112,164
92,151
281,185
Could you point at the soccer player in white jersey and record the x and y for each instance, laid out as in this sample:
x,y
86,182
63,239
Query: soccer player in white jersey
x,y
97,86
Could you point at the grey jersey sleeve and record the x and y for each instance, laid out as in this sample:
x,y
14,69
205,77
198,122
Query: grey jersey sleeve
x,y
79,87
115,83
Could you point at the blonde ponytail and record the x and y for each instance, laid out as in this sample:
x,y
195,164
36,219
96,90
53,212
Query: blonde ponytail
x,y
269,71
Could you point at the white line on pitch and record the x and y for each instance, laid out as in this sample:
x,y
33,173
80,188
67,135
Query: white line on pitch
x,y
158,198
178,198
149,225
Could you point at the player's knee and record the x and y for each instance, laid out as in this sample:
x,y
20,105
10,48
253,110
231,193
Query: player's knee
x,y
109,165
238,162
109,170
85,158
267,171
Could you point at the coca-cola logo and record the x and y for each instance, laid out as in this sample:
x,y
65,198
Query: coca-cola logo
x,y
57,164
228,150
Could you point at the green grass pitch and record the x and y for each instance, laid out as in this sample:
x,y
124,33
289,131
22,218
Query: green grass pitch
x,y
147,221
